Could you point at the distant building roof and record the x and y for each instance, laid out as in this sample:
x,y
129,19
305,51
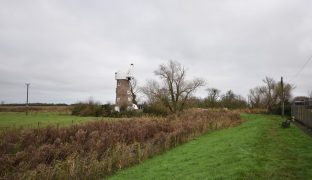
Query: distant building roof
x,y
300,98
302,101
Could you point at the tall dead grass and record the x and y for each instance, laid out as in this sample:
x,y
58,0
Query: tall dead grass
x,y
97,149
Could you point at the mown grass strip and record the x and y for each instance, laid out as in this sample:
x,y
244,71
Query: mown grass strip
x,y
257,149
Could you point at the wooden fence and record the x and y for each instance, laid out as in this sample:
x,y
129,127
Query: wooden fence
x,y
302,114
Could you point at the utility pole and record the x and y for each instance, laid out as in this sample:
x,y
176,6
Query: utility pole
x,y
283,105
27,85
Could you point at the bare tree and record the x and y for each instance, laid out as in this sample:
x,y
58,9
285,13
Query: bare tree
x,y
268,91
213,94
283,93
232,100
152,91
175,89
256,97
134,90
310,94
270,94
263,96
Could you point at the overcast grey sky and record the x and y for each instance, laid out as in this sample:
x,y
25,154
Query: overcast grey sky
x,y
69,49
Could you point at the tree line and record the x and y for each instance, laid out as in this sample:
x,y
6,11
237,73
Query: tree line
x,y
172,92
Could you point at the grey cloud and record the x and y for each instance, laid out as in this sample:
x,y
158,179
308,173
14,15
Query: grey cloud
x,y
69,50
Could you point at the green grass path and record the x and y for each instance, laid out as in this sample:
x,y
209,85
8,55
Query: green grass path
x,y
257,149
17,119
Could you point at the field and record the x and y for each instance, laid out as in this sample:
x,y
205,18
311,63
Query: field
x,y
39,119
257,149
20,108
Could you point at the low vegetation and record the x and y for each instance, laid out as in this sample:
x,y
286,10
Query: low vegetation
x,y
91,108
215,99
96,109
97,149
257,149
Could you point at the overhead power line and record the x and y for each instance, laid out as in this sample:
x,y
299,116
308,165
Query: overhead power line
x,y
304,65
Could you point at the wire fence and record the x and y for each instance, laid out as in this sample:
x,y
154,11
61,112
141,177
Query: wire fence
x,y
302,114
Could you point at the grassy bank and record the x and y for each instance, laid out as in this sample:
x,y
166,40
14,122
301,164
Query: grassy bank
x,y
257,149
41,119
